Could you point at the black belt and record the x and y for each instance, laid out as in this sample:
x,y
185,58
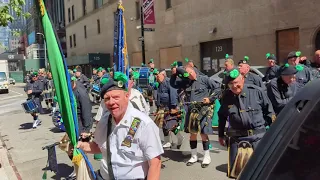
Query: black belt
x,y
244,133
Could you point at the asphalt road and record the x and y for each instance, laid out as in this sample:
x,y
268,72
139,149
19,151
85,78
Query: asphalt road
x,y
24,146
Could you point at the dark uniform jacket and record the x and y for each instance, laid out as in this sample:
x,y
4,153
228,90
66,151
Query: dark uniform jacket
x,y
257,106
315,70
304,76
254,79
84,107
37,88
167,95
84,80
280,93
202,87
272,72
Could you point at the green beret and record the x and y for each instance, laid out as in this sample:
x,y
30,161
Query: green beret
x,y
117,83
231,75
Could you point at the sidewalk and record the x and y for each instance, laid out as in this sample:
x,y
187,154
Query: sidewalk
x,y
25,146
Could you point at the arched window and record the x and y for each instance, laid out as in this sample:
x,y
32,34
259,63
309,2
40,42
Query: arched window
x,y
317,41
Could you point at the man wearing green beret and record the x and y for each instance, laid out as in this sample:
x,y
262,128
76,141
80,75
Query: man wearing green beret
x,y
250,78
303,76
248,110
127,138
273,69
200,92
282,89
81,77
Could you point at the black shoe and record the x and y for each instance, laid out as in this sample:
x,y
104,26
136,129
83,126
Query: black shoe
x,y
163,166
204,165
190,163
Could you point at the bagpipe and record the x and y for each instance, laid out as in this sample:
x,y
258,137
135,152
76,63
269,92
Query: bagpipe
x,y
168,120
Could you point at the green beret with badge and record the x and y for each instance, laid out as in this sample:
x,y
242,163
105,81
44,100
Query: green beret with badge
x,y
231,75
288,70
117,83
270,56
244,61
151,61
182,73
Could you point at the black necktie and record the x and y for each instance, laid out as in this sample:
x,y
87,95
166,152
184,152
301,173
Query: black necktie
x,y
246,120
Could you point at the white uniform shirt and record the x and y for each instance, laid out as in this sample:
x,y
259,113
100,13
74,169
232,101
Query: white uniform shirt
x,y
139,100
135,96
128,162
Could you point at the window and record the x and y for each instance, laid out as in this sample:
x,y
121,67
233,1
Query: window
x,y
72,12
168,4
69,15
300,159
3,76
98,26
85,31
97,3
84,7
74,40
138,10
70,41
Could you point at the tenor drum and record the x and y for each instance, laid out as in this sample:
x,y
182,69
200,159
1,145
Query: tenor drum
x,y
30,106
57,121
143,80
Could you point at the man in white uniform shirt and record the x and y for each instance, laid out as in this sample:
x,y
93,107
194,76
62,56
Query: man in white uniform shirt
x,y
121,137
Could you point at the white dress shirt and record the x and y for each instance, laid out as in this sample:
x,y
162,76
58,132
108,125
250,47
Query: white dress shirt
x,y
128,162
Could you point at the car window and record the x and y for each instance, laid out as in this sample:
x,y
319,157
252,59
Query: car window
x,y
301,157
221,75
263,70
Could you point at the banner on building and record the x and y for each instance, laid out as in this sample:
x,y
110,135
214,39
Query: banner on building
x,y
148,12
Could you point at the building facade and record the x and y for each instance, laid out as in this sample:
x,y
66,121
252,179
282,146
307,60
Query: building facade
x,y
203,30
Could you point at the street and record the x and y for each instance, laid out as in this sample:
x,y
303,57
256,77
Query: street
x,y
22,157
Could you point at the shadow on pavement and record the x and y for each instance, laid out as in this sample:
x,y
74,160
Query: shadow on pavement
x,y
178,156
64,171
26,126
56,130
222,168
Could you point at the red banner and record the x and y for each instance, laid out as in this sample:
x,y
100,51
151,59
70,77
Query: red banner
x,y
148,12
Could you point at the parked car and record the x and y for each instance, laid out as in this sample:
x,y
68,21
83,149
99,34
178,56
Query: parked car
x,y
4,85
12,81
258,70
290,148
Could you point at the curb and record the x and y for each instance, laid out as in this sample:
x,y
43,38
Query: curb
x,y
8,162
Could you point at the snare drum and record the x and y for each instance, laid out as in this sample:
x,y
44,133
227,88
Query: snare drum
x,y
30,106
57,121
95,90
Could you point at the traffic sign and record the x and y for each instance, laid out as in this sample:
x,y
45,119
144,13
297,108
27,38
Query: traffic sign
x,y
149,29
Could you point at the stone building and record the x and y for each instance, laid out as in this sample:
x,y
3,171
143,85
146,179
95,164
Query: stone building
x,y
202,30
